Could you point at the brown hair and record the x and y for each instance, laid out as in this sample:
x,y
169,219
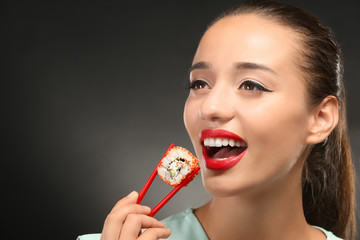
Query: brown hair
x,y
328,173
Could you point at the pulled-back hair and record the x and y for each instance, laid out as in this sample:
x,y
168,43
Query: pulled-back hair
x,y
328,173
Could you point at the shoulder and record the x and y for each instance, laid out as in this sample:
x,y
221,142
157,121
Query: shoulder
x,y
185,225
95,236
329,235
180,217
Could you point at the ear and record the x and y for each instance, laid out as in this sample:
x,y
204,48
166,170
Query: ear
x,y
324,119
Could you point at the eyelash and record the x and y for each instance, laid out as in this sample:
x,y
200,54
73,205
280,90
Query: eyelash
x,y
253,84
194,84
244,85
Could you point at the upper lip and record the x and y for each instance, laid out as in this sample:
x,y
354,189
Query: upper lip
x,y
219,133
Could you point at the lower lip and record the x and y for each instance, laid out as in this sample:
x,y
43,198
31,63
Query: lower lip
x,y
221,164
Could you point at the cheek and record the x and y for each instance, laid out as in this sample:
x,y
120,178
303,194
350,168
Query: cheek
x,y
278,134
193,124
190,116
187,116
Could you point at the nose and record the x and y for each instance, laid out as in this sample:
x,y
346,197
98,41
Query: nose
x,y
217,106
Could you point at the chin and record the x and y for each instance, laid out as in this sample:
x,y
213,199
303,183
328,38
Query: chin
x,y
236,183
224,186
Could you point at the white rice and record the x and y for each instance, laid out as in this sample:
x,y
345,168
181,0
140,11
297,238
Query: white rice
x,y
169,168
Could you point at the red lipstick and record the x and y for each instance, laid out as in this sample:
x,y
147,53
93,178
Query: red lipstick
x,y
227,162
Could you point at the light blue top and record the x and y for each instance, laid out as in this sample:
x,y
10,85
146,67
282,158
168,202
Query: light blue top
x,y
186,226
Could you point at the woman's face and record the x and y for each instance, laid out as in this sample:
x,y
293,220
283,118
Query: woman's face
x,y
246,113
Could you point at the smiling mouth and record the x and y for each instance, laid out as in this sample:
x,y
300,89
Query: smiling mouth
x,y
220,149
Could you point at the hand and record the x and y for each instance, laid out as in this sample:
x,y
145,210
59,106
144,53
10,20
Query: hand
x,y
126,220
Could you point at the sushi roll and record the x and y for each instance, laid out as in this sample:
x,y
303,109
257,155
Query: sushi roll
x,y
176,165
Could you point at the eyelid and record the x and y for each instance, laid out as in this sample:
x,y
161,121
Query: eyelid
x,y
192,83
260,86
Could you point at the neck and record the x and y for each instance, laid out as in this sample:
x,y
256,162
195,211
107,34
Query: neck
x,y
276,214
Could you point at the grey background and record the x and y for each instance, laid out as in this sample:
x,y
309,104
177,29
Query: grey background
x,y
93,95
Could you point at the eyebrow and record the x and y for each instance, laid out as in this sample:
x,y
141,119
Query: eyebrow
x,y
238,66
253,66
199,65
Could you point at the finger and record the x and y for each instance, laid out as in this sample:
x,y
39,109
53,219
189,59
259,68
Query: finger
x,y
135,222
131,198
114,221
155,233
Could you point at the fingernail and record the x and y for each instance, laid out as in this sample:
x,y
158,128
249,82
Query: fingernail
x,y
147,208
132,194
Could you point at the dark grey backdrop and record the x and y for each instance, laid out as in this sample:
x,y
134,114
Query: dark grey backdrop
x,y
94,95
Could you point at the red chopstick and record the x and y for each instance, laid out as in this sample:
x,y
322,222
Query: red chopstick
x,y
151,178
173,192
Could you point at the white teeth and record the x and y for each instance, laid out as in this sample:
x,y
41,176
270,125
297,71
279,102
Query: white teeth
x,y
219,159
223,142
218,142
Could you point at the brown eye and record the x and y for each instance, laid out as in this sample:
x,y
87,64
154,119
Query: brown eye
x,y
253,86
248,86
198,84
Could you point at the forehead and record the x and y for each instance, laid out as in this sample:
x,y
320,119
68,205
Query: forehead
x,y
247,38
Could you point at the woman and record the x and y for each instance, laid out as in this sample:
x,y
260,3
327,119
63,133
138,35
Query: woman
x,y
269,76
